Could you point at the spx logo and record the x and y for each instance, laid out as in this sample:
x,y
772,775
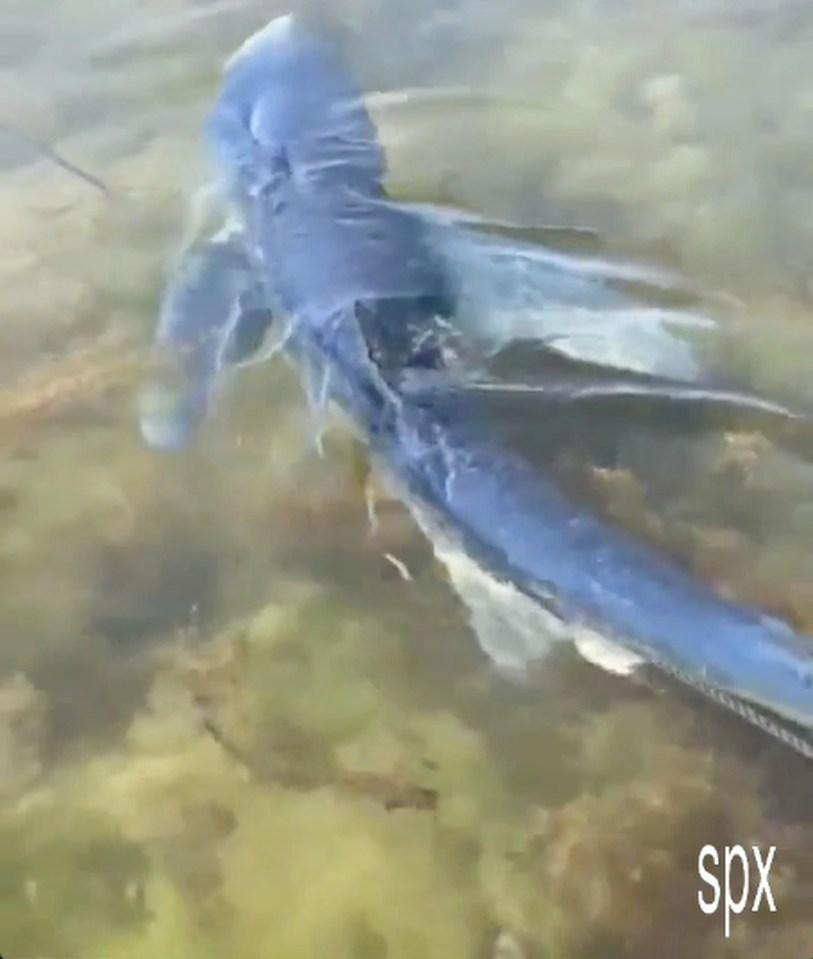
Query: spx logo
x,y
722,889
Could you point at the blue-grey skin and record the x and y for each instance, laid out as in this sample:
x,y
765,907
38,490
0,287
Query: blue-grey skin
x,y
211,308
361,288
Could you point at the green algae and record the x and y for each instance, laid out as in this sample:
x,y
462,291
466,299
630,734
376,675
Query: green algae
x,y
658,133
237,816
68,876
338,773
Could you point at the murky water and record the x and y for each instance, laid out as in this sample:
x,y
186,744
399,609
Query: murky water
x,y
230,723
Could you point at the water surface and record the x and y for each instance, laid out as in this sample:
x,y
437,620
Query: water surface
x,y
230,722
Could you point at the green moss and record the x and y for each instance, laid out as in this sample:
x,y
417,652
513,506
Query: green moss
x,y
67,874
170,931
316,874
312,669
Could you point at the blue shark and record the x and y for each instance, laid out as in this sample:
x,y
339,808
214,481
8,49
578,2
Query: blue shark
x,y
367,297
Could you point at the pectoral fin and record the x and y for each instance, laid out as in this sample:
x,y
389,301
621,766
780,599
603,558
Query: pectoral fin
x,y
212,317
568,395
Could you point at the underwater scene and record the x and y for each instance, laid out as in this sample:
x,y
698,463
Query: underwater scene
x,y
251,704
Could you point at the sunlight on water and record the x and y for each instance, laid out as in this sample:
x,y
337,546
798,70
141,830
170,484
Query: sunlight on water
x,y
236,720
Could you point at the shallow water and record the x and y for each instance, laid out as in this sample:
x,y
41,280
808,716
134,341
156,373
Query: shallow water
x,y
236,721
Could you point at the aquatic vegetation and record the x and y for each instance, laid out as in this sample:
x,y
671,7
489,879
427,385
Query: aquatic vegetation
x,y
338,773
237,815
176,793
68,875
733,509
88,378
616,865
22,734
641,127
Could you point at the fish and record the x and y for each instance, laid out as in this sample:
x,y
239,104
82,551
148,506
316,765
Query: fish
x,y
366,301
